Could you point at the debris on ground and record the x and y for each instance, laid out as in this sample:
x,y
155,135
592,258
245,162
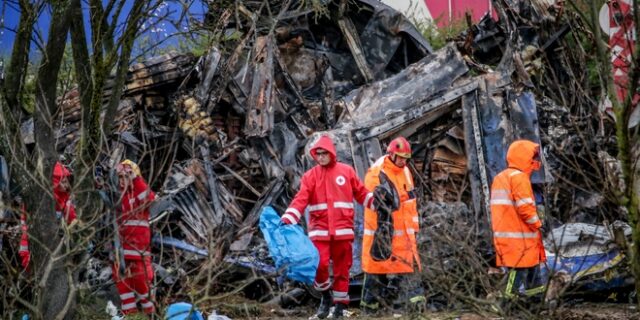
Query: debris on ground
x,y
224,135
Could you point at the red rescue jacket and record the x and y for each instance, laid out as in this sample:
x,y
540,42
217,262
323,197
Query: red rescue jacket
x,y
64,208
328,191
133,223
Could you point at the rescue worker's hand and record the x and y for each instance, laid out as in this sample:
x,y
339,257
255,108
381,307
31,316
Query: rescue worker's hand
x,y
381,197
284,220
541,212
543,230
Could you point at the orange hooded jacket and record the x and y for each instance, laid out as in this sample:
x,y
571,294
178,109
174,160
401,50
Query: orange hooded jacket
x,y
404,250
514,220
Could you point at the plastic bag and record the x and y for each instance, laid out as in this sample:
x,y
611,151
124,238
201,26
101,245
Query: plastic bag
x,y
292,251
182,311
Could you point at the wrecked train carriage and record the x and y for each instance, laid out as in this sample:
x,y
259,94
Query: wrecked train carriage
x,y
428,101
281,84
366,74
425,101
282,89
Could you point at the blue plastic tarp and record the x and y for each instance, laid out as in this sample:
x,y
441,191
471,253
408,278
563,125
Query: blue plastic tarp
x,y
292,251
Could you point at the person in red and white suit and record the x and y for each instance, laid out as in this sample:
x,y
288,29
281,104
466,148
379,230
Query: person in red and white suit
x,y
63,205
328,190
135,236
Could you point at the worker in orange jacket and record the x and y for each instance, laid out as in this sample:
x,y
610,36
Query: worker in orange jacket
x,y
391,265
516,224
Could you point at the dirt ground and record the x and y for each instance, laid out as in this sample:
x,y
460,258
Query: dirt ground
x,y
598,311
583,311
236,307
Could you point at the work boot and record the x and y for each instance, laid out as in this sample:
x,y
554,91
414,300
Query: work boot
x,y
419,307
369,311
338,311
325,305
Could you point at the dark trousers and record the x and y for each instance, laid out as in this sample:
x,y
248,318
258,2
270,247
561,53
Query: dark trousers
x,y
391,290
522,282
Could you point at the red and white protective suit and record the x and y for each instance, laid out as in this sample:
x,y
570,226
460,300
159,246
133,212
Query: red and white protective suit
x,y
328,191
64,208
135,236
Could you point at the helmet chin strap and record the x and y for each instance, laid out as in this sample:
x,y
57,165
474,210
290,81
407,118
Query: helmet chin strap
x,y
394,157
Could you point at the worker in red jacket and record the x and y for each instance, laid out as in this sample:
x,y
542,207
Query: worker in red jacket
x,y
63,205
328,190
133,281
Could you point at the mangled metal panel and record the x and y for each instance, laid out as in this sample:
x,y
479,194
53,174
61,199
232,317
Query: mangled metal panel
x,y
407,121
353,41
259,117
259,263
585,256
383,37
508,118
415,97
476,161
322,58
495,116
198,220
411,87
208,67
154,73
248,227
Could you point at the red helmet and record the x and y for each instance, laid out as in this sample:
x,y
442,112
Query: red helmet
x,y
400,147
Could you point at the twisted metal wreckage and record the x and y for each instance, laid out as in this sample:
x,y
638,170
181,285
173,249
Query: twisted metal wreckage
x,y
226,134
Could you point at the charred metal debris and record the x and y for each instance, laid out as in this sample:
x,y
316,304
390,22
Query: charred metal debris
x,y
222,135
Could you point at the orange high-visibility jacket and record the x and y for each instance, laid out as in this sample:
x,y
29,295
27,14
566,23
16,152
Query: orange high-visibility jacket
x,y
404,251
515,223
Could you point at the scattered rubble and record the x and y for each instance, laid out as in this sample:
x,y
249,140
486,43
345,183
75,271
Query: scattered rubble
x,y
226,134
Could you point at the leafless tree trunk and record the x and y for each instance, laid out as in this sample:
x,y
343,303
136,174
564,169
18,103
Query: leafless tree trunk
x,y
627,139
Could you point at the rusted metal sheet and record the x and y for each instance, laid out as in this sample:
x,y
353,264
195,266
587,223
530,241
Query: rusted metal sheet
x,y
259,117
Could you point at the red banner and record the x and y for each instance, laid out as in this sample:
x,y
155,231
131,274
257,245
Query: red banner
x,y
616,20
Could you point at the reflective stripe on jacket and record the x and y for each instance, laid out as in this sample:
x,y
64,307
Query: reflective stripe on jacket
x,y
133,224
328,192
404,250
515,223
23,251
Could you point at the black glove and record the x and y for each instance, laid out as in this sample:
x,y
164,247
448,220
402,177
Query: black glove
x,y
382,198
379,194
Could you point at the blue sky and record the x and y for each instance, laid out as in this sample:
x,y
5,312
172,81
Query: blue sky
x,y
10,15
